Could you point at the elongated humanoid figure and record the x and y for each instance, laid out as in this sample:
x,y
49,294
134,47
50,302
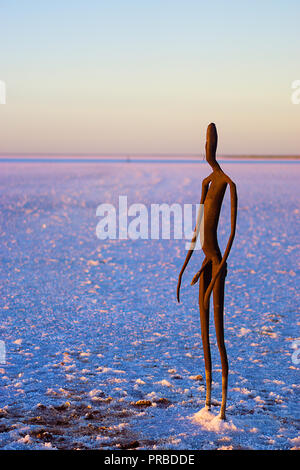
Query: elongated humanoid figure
x,y
214,268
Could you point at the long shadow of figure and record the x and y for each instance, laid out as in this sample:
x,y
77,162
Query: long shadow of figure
x,y
214,268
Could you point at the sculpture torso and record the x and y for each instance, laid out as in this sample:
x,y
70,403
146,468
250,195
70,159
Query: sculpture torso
x,y
212,208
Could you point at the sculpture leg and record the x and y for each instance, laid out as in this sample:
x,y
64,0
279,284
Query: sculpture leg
x,y
218,300
205,279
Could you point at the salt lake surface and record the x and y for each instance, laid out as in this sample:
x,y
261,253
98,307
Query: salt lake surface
x,y
99,354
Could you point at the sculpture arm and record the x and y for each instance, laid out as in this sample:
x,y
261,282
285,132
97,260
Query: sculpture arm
x,y
205,185
187,259
233,200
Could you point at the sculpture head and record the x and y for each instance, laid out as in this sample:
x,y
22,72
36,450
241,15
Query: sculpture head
x,y
211,144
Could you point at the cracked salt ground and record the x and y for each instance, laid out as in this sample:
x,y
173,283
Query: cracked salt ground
x,y
98,352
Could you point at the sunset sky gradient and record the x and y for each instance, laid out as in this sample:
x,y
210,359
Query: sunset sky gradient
x,y
148,76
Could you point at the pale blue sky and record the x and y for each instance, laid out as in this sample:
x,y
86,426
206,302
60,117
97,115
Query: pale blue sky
x,y
148,76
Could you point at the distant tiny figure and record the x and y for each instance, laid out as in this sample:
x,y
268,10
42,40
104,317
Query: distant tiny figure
x,y
214,267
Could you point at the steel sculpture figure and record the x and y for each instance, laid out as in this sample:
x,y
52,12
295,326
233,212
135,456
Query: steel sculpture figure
x,y
214,267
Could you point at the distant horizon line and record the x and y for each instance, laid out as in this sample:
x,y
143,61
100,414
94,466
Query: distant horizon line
x,y
128,155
